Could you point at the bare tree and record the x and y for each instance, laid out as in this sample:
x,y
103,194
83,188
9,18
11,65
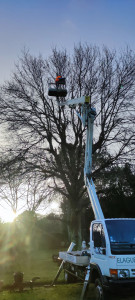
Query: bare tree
x,y
27,192
50,138
11,191
37,194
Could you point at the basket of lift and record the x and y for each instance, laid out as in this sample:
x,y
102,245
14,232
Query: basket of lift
x,y
58,89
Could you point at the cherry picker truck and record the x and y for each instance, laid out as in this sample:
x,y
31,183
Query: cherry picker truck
x,y
109,263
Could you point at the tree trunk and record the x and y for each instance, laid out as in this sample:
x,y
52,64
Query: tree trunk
x,y
75,231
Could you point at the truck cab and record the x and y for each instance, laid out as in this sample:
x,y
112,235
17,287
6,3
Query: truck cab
x,y
112,248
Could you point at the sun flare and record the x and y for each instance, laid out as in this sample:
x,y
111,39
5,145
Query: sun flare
x,y
8,216
54,205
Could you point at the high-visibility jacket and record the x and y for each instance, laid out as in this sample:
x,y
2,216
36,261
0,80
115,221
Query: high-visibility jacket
x,y
57,78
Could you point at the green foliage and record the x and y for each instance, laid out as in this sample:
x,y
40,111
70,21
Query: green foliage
x,y
118,197
29,233
52,230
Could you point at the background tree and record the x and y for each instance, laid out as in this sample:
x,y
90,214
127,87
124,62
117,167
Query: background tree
x,y
50,138
11,191
36,193
118,197
23,192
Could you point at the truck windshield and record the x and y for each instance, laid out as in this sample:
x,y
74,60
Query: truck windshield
x,y
122,236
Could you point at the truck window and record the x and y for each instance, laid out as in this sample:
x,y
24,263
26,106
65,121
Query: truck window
x,y
121,233
98,235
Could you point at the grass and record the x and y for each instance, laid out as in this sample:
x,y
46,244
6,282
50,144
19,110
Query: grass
x,y
37,263
59,292
64,292
40,264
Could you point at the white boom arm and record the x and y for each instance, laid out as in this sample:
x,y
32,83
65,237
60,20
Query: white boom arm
x,y
87,117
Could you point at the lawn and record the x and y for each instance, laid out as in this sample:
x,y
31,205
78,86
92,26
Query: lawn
x,y
41,264
38,263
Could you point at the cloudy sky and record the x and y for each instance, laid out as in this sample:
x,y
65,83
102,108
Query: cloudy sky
x,y
41,24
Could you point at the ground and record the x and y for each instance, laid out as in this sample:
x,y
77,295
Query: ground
x,y
40,264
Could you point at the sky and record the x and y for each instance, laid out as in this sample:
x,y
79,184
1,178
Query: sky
x,y
39,25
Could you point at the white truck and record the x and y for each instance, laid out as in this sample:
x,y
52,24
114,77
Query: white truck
x,y
109,262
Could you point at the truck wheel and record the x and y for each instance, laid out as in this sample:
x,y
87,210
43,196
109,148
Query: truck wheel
x,y
68,277
101,294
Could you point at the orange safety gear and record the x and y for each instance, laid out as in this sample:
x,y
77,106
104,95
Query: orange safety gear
x,y
57,78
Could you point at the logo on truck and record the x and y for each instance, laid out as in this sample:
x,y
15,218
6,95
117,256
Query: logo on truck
x,y
126,260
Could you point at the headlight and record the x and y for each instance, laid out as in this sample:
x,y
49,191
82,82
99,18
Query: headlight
x,y
115,273
123,273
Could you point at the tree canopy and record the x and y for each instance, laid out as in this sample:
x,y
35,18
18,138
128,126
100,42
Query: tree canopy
x,y
49,139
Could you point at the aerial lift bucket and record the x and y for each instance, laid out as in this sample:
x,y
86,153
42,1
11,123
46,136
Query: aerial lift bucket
x,y
58,89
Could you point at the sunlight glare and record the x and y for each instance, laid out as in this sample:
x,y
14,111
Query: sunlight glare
x,y
8,216
54,205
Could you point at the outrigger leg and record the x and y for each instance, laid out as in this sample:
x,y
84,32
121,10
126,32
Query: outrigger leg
x,y
61,266
86,284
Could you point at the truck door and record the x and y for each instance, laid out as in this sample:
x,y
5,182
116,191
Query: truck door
x,y
99,246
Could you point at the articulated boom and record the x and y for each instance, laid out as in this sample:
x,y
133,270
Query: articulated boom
x,y
87,117
110,260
